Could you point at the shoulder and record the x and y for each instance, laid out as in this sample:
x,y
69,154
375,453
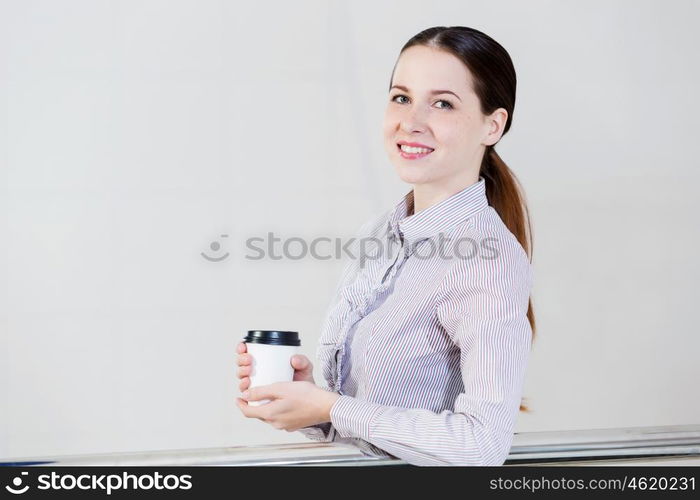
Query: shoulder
x,y
488,225
488,256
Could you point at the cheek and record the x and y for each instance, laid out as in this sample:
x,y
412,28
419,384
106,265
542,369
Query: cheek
x,y
391,120
390,127
453,132
448,132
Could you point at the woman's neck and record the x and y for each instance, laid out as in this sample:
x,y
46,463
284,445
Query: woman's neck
x,y
427,195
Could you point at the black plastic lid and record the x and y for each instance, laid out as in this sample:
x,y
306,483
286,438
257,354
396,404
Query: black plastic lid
x,y
272,337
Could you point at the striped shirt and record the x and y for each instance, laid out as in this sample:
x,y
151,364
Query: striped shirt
x,y
427,342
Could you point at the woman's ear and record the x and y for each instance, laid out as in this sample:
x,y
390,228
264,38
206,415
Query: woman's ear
x,y
496,123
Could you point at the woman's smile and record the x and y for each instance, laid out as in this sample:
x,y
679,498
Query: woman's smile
x,y
413,151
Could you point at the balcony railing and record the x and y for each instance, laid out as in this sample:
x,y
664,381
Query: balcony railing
x,y
580,447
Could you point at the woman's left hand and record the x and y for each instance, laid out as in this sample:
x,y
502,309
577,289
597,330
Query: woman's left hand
x,y
292,406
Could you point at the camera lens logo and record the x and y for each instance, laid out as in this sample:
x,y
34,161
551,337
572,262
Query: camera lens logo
x,y
215,246
17,482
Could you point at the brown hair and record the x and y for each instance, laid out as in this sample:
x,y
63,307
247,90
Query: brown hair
x,y
494,81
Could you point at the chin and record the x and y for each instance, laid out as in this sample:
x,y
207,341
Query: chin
x,y
412,175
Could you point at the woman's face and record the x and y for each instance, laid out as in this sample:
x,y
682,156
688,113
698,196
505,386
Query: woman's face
x,y
449,122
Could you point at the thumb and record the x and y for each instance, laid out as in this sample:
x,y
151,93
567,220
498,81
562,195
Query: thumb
x,y
268,391
300,362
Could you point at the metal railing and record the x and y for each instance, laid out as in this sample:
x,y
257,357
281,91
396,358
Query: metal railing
x,y
529,448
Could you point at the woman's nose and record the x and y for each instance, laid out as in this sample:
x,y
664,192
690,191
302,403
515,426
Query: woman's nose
x,y
412,121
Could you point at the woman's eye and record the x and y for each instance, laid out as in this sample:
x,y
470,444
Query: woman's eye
x,y
448,104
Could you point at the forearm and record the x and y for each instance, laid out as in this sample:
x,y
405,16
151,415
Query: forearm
x,y
422,437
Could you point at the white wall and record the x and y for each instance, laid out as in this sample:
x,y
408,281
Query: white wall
x,y
135,133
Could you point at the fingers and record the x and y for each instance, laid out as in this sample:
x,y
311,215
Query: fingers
x,y
244,384
259,412
244,359
270,391
243,371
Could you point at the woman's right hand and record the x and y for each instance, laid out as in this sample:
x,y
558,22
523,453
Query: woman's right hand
x,y
303,369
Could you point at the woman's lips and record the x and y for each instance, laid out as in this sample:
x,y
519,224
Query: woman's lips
x,y
412,156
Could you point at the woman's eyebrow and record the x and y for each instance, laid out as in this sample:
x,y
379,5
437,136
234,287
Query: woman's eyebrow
x,y
432,92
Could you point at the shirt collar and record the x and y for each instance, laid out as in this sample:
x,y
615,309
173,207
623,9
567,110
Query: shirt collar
x,y
436,218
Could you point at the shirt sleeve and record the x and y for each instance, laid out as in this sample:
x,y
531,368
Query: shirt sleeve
x,y
318,432
482,306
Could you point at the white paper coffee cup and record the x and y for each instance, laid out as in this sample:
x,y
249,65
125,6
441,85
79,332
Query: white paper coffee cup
x,y
271,352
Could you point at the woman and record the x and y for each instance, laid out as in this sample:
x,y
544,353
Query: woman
x,y
424,348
